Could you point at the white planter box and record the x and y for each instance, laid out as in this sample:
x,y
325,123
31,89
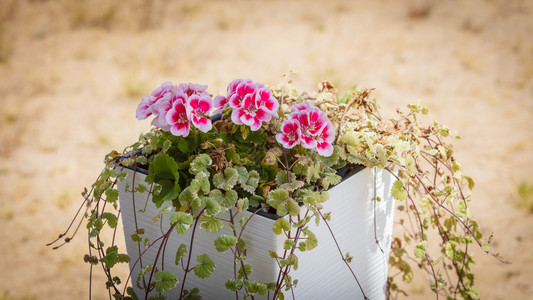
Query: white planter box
x,y
321,273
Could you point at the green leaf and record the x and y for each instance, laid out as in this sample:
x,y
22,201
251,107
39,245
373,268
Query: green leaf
x,y
398,191
132,293
420,249
180,253
164,171
289,207
248,269
292,259
112,220
212,206
166,281
162,167
188,144
111,195
311,241
200,163
228,200
182,219
232,155
111,257
276,197
243,204
281,225
188,197
202,180
330,179
210,224
234,285
227,180
206,266
165,210
169,191
294,185
223,242
288,244
281,177
257,287
252,182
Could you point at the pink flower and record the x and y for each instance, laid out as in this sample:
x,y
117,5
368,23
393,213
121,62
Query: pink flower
x,y
160,110
232,87
290,134
221,103
193,89
251,103
177,119
264,99
162,90
311,121
303,106
316,132
324,139
249,114
197,109
243,90
144,109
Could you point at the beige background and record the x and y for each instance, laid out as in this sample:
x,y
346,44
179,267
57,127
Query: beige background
x,y
72,73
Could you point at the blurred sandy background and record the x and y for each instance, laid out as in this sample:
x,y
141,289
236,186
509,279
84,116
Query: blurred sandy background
x,y
72,73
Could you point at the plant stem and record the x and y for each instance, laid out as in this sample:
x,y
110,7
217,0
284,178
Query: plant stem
x,y
187,270
340,253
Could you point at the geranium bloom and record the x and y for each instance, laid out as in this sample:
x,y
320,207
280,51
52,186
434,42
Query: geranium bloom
x,y
176,117
324,139
303,106
251,103
162,90
232,86
249,114
193,89
264,99
315,129
197,109
290,134
144,109
244,90
160,110
220,102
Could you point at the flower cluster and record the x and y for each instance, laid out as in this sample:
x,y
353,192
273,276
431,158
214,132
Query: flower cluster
x,y
250,103
176,107
308,126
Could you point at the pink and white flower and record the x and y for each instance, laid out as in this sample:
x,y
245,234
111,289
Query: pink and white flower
x,y
193,89
244,90
249,114
232,87
144,110
177,119
251,103
324,139
198,108
316,132
221,103
165,88
264,99
290,134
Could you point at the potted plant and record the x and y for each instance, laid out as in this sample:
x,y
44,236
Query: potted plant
x,y
281,194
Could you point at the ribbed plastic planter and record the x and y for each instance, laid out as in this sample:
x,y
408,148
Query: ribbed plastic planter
x,y
356,222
